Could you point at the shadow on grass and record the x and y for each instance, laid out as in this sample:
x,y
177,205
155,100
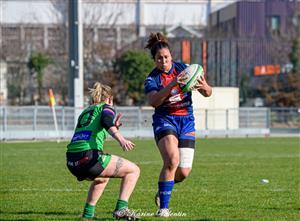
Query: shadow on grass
x,y
207,219
16,219
278,209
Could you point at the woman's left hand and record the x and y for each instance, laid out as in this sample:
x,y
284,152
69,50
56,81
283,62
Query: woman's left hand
x,y
203,87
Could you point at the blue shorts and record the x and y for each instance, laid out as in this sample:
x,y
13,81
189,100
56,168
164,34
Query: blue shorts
x,y
179,126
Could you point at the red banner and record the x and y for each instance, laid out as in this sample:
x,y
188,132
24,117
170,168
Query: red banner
x,y
267,70
186,51
204,56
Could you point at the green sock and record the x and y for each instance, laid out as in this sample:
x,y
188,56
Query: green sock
x,y
121,204
88,211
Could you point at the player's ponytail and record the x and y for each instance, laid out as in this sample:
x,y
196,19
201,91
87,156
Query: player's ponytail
x,y
157,41
100,92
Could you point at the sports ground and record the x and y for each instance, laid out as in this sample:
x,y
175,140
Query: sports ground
x,y
225,184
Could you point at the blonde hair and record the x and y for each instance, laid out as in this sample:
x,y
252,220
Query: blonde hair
x,y
100,92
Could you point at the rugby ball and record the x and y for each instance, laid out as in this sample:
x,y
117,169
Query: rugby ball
x,y
193,73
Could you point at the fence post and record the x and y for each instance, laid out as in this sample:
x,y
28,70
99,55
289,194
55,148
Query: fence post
x,y
4,122
139,118
268,121
268,118
5,119
227,127
247,121
34,121
63,118
206,123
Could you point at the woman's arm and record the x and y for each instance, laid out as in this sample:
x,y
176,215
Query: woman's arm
x,y
124,143
156,98
107,120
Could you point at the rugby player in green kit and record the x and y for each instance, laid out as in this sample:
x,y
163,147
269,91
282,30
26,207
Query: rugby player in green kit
x,y
87,161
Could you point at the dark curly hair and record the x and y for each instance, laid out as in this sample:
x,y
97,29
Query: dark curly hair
x,y
157,41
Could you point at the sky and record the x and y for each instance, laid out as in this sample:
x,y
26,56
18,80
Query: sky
x,y
43,11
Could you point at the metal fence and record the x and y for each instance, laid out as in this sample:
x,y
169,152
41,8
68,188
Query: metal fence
x,y
37,122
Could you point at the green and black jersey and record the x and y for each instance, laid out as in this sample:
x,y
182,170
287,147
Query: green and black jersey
x,y
90,132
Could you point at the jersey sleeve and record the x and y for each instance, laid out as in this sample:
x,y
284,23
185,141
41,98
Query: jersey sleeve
x,y
180,66
107,117
150,85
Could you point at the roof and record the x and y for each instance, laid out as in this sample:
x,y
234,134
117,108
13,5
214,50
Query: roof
x,y
182,31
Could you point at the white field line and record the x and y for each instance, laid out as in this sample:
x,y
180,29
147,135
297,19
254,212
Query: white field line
x,y
64,190
153,190
249,155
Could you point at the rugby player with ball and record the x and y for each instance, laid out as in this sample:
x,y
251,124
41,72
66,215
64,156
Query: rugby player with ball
x,y
168,89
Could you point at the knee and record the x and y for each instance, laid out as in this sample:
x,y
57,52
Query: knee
x,y
134,170
182,173
137,171
185,172
172,163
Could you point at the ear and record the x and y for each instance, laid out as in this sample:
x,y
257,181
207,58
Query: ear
x,y
109,101
112,100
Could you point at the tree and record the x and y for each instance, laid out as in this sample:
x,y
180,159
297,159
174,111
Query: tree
x,y
244,88
285,88
134,66
37,63
294,56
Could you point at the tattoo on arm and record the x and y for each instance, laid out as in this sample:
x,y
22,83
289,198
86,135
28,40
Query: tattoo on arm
x,y
119,164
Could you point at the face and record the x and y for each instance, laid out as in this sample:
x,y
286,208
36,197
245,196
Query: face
x,y
163,59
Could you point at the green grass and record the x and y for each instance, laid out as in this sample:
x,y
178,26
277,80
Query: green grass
x,y
225,183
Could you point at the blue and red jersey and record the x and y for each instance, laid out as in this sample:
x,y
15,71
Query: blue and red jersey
x,y
177,103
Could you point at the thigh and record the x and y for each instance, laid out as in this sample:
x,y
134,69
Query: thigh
x,y
186,157
168,147
118,167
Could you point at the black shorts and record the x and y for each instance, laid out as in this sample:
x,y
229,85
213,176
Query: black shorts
x,y
185,143
85,164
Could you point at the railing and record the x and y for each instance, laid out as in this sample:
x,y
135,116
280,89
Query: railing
x,y
36,122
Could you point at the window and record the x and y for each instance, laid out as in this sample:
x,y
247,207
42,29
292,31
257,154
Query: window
x,y
275,24
296,20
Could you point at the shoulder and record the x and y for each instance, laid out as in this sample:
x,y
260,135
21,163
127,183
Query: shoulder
x,y
152,77
153,81
108,109
154,73
179,66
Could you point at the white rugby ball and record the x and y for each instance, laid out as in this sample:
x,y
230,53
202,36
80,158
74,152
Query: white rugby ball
x,y
193,73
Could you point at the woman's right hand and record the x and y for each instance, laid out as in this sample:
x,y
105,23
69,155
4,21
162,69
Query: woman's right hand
x,y
126,144
156,98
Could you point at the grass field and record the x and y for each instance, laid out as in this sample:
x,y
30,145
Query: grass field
x,y
225,183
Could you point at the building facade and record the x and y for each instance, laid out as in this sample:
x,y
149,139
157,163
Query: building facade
x,y
109,26
253,38
256,19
